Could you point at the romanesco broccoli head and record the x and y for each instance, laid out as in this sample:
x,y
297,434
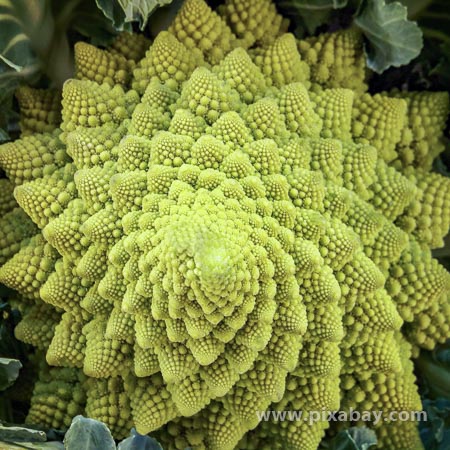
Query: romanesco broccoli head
x,y
226,223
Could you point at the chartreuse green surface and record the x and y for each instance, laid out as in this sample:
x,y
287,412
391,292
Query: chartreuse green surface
x,y
227,224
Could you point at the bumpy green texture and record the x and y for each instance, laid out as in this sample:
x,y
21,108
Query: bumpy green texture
x,y
40,109
229,230
336,59
254,21
100,66
113,65
7,200
131,46
58,396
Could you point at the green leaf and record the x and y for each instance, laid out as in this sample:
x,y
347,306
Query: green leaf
x,y
26,38
15,48
354,438
90,21
442,69
122,12
163,17
314,5
31,445
3,135
26,27
139,442
392,39
9,371
9,80
435,373
88,434
435,432
140,10
313,19
113,11
308,15
415,7
20,434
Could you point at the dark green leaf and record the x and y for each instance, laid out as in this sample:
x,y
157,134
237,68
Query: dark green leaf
x,y
26,29
92,21
415,6
9,371
113,11
163,17
441,354
20,434
442,69
434,432
308,15
88,434
9,80
139,442
55,435
97,27
355,438
435,373
3,136
315,18
31,445
392,40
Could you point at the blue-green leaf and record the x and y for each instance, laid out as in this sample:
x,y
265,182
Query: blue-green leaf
x,y
38,446
88,434
139,442
9,371
392,40
434,432
354,438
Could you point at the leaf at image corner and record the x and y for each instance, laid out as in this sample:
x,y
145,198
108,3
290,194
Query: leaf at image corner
x,y
9,371
393,40
18,21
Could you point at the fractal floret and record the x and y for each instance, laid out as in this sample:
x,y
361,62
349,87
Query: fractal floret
x,y
227,224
